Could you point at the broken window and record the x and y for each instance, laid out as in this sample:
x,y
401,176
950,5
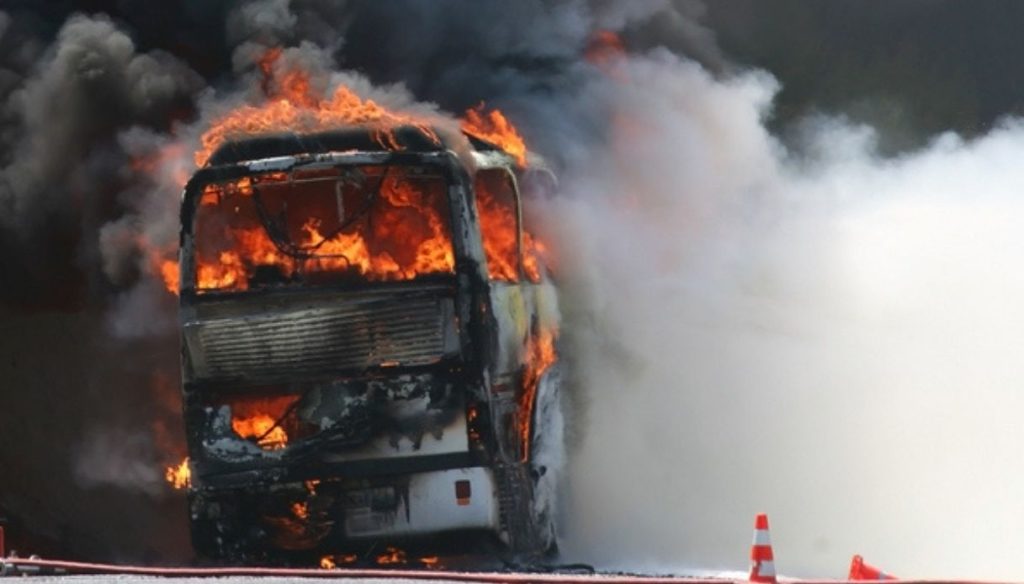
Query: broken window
x,y
498,210
371,223
535,187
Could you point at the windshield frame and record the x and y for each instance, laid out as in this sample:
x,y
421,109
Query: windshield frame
x,y
446,165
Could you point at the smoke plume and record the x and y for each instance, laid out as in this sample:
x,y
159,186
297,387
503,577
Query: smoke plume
x,y
825,335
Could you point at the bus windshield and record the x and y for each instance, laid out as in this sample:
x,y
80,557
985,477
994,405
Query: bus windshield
x,y
369,223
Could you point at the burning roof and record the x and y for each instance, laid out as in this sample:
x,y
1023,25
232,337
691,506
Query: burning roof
x,y
297,118
349,139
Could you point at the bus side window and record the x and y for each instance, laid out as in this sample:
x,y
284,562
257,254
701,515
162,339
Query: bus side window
x,y
535,187
497,206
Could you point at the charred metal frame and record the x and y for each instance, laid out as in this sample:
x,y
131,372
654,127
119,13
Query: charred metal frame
x,y
480,372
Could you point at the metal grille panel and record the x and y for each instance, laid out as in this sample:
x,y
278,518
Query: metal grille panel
x,y
353,333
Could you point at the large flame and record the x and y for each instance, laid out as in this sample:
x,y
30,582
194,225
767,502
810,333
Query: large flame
x,y
404,219
497,230
495,203
293,105
407,237
495,128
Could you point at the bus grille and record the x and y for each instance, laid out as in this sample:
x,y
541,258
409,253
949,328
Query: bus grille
x,y
351,334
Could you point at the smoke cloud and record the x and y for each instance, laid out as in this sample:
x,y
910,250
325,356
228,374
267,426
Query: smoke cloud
x,y
802,326
825,336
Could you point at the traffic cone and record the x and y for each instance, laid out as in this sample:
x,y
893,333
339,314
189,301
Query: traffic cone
x,y
861,571
762,561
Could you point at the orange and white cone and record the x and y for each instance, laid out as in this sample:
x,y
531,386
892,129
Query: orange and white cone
x,y
861,571
762,561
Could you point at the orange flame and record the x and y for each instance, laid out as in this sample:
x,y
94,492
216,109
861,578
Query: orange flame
x,y
294,106
430,562
261,428
300,510
179,476
167,165
495,205
170,274
331,562
255,419
495,128
498,232
433,254
533,251
408,237
392,556
541,355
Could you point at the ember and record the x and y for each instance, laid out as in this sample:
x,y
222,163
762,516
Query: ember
x,y
331,562
180,476
392,556
430,562
300,510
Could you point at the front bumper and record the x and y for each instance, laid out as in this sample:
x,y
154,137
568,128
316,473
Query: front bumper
x,y
337,514
432,502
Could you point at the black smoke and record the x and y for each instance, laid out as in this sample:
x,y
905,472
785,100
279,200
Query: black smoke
x,y
91,95
75,74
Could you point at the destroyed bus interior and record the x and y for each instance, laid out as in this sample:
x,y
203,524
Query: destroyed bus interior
x,y
368,350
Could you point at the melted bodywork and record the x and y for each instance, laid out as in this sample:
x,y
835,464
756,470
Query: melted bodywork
x,y
333,401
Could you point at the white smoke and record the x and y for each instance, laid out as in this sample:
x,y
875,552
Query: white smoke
x,y
830,338
119,458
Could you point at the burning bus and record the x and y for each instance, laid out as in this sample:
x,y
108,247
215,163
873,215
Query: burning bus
x,y
368,345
